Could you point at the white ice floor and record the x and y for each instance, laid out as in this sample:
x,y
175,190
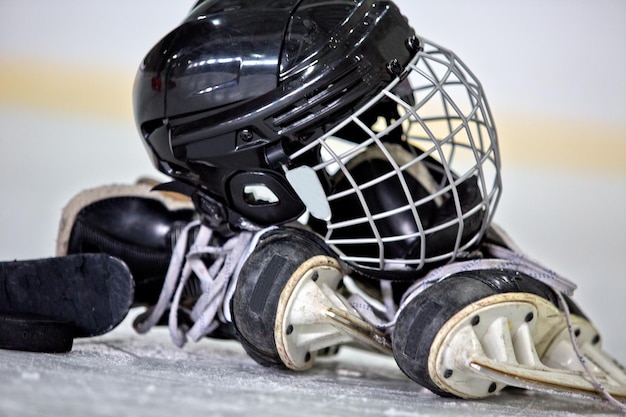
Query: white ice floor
x,y
123,374
572,220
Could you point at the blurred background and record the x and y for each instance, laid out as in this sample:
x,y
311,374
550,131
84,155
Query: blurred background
x,y
554,73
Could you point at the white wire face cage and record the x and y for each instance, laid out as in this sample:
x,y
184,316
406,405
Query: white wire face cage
x,y
415,173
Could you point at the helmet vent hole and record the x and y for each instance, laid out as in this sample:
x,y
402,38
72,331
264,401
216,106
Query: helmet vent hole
x,y
259,195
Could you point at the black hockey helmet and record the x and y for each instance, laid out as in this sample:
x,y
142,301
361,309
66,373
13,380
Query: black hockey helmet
x,y
269,110
224,98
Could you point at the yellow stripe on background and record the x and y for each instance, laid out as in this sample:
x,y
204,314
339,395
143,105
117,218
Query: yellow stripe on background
x,y
579,145
69,89
524,140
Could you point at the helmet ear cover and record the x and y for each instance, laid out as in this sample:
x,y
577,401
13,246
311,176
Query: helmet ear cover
x,y
263,197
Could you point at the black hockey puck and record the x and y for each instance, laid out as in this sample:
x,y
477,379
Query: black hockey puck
x,y
35,334
93,291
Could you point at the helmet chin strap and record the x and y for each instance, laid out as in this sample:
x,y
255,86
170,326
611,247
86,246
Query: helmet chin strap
x,y
219,217
306,184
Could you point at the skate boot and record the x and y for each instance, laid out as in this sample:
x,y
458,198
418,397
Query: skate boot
x,y
141,227
182,269
130,222
472,328
291,304
278,289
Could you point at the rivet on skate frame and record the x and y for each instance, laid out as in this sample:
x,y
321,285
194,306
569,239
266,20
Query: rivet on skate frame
x,y
289,329
448,373
320,317
475,320
529,317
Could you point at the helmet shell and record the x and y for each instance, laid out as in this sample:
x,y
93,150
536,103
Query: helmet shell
x,y
240,84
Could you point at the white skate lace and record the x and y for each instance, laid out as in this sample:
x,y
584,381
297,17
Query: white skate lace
x,y
503,259
383,315
217,282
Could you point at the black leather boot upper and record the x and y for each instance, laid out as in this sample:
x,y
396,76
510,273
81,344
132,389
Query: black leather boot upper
x,y
140,231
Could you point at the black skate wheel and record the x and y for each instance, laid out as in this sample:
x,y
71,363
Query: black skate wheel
x,y
35,334
260,284
423,318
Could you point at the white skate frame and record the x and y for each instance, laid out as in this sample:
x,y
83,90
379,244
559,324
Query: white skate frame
x,y
313,316
522,340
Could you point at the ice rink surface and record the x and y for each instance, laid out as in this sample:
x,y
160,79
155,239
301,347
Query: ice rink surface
x,y
123,374
564,201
